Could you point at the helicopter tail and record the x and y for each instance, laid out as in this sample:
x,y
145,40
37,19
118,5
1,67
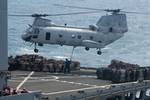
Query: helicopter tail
x,y
115,23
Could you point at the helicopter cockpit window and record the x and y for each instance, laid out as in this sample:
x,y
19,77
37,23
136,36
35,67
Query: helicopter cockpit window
x,y
91,37
110,29
100,41
73,36
36,31
79,36
35,36
48,36
29,30
60,35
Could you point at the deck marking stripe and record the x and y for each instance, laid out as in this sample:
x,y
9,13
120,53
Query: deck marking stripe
x,y
20,85
75,83
75,90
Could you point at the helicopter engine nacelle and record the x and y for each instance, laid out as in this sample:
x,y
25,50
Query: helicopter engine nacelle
x,y
115,23
41,22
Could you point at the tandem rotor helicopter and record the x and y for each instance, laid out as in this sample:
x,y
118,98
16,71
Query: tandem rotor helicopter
x,y
108,29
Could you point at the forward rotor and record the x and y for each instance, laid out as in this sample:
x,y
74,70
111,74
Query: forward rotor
x,y
46,15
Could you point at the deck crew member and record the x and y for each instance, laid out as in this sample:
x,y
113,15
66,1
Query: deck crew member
x,y
67,66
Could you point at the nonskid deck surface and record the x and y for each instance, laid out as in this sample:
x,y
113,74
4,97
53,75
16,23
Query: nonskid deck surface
x,y
56,85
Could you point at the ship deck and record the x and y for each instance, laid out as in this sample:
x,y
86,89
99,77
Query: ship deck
x,y
53,85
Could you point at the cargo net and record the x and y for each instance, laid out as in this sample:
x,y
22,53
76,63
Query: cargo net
x,y
39,64
120,72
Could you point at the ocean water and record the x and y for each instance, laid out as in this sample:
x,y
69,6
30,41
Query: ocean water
x,y
134,47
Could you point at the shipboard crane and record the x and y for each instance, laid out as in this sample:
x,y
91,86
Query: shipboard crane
x,y
108,29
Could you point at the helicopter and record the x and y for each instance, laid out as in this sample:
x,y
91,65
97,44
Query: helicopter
x,y
109,28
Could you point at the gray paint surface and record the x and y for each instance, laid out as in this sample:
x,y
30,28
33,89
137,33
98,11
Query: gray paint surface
x,y
3,36
25,96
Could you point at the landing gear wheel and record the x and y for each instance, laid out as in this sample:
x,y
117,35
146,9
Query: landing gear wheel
x,y
87,49
99,52
36,50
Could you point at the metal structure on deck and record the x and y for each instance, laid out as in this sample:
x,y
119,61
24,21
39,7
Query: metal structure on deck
x,y
4,59
3,44
126,91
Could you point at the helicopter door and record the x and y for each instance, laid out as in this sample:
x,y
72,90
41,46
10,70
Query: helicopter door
x,y
48,36
36,33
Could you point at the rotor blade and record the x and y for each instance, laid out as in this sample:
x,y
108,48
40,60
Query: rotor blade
x,y
28,15
132,12
21,15
45,15
74,13
78,7
107,10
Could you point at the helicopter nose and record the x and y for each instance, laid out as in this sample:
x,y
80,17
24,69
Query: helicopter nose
x,y
26,37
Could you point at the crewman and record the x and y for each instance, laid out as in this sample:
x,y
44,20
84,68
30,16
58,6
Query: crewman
x,y
67,66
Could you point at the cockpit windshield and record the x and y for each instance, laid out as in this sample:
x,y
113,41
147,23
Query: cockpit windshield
x,y
29,30
36,31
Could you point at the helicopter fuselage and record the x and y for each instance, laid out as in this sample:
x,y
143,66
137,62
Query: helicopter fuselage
x,y
108,29
71,36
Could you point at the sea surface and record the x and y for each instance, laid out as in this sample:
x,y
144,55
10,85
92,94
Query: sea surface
x,y
134,47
